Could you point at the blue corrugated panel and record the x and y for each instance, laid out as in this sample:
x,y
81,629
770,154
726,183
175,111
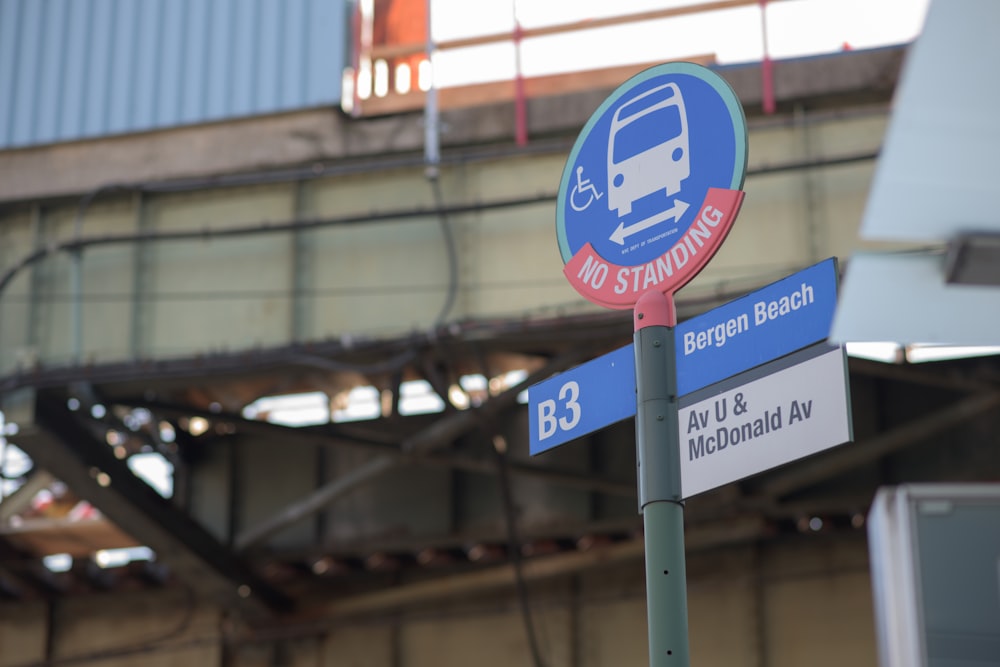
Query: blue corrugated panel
x,y
75,69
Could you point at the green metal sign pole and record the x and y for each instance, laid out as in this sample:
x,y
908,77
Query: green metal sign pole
x,y
658,457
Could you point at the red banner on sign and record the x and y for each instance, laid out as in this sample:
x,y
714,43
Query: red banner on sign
x,y
615,286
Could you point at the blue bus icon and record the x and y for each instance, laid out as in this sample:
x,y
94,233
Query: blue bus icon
x,y
644,165
647,147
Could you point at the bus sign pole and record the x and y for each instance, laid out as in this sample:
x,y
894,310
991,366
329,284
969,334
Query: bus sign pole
x,y
649,192
657,444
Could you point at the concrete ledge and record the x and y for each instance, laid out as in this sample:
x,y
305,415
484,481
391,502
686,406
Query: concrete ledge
x,y
326,135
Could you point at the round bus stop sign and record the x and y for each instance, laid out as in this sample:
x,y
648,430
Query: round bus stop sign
x,y
652,185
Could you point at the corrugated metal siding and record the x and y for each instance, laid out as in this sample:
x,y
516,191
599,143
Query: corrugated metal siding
x,y
73,69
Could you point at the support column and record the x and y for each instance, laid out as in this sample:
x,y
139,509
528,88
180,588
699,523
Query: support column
x,y
302,268
142,282
812,188
34,325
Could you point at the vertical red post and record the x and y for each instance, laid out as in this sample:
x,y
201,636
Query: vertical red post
x,y
766,66
520,104
358,46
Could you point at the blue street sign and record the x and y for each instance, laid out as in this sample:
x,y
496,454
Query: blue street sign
x,y
582,400
762,326
652,184
776,320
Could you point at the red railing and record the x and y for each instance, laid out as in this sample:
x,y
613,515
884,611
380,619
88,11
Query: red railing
x,y
391,69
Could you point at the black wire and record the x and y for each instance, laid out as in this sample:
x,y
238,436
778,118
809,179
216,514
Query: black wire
x,y
387,366
449,242
146,646
261,228
514,552
80,243
232,294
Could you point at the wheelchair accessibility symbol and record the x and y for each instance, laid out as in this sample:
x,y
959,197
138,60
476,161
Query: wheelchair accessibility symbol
x,y
584,192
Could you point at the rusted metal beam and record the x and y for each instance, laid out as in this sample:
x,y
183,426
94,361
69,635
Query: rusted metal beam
x,y
52,436
726,532
373,441
24,576
441,433
20,500
849,457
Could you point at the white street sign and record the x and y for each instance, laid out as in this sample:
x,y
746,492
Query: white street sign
x,y
765,422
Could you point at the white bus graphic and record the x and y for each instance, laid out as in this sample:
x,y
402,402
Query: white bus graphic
x,y
647,147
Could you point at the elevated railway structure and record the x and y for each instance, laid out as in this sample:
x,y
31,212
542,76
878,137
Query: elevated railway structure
x,y
154,287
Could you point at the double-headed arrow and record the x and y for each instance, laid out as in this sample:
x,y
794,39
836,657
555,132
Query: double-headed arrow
x,y
623,232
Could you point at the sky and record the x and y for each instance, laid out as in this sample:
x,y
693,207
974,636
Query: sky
x,y
794,28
